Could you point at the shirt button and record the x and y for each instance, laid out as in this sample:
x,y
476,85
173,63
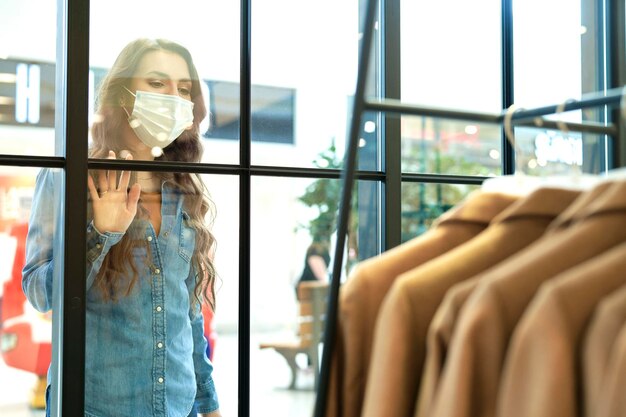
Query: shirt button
x,y
98,245
166,234
159,345
159,308
160,380
149,238
157,271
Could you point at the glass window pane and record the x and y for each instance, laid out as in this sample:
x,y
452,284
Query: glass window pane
x,y
153,271
451,53
207,76
224,331
553,152
159,92
25,323
27,77
423,203
557,59
440,146
547,51
293,241
303,77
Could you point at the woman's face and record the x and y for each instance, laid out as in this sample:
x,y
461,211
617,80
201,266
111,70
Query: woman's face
x,y
163,72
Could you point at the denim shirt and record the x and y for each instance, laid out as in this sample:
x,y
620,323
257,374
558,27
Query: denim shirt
x,y
145,353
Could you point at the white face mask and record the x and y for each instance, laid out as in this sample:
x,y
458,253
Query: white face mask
x,y
158,119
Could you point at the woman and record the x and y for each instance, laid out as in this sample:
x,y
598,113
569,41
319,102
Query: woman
x,y
149,266
316,262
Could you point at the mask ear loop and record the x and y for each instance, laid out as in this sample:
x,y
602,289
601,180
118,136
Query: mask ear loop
x,y
123,105
509,133
131,121
131,93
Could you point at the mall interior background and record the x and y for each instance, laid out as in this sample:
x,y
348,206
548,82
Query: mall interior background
x,y
303,73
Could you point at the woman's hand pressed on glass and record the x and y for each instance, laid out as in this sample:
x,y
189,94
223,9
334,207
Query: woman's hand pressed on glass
x,y
114,205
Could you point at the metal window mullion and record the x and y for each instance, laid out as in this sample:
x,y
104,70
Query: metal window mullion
x,y
74,128
442,178
245,139
616,72
508,81
391,135
32,161
592,79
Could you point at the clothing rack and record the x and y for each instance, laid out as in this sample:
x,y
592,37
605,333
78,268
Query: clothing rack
x,y
521,117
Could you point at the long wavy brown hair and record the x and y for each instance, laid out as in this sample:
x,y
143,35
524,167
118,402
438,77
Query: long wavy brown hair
x,y
112,278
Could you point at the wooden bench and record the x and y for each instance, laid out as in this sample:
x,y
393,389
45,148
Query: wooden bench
x,y
312,296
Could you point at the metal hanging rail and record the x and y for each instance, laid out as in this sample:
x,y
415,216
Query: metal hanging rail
x,y
347,180
522,117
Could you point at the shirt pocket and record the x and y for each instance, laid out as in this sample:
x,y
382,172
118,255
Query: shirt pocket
x,y
187,241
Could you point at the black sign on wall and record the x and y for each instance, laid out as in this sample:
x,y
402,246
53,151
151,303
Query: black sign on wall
x,y
273,112
26,93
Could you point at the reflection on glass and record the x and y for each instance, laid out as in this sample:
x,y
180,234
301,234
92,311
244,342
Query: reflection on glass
x,y
221,328
210,30
302,84
543,152
423,203
293,236
150,284
439,146
272,118
451,54
25,332
27,77
540,41
150,274
370,142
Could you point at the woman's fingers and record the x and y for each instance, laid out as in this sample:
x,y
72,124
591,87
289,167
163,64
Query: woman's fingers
x,y
116,204
133,198
92,188
112,184
125,177
103,183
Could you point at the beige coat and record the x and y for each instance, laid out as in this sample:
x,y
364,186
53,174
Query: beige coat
x,y
541,375
612,401
444,321
471,377
400,333
362,294
438,341
604,326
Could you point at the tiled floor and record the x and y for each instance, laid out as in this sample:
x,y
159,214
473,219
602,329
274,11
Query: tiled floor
x,y
269,375
15,389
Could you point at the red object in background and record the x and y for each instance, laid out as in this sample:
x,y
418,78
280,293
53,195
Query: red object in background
x,y
209,330
18,348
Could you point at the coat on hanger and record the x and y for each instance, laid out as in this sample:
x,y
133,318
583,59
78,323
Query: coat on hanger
x,y
471,376
400,334
540,376
446,317
604,326
363,292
